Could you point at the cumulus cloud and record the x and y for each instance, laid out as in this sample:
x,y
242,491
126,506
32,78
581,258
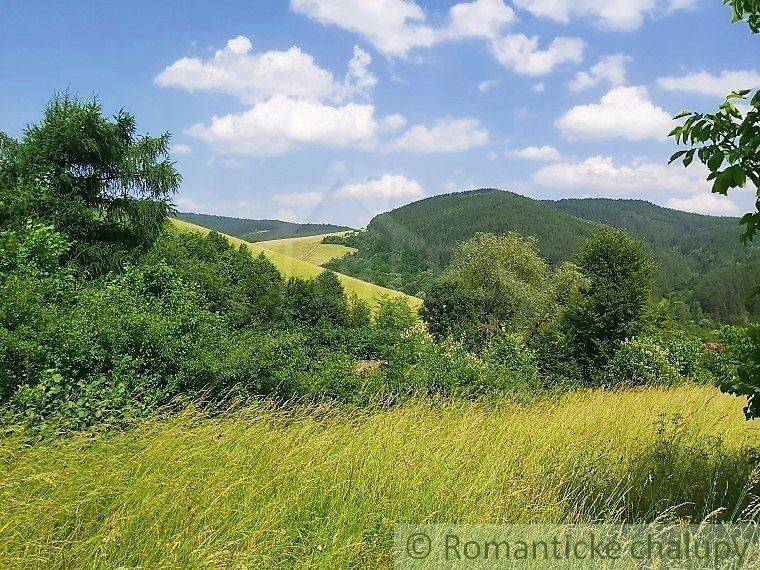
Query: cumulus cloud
x,y
393,26
484,86
599,175
298,199
610,69
446,135
546,152
180,149
620,15
624,112
479,19
254,77
523,55
389,186
705,203
706,83
278,124
391,123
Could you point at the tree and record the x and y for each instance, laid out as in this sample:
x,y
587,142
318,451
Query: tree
x,y
94,179
498,281
728,142
619,274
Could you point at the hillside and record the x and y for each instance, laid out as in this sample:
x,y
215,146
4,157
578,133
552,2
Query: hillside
x,y
309,248
258,230
700,257
292,267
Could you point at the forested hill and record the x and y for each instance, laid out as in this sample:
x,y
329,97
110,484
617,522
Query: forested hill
x,y
258,230
700,257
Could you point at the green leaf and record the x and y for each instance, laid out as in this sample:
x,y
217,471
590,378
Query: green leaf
x,y
715,161
676,156
681,115
687,160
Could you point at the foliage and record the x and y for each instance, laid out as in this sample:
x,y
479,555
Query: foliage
x,y
699,257
728,142
640,362
619,272
95,180
493,282
746,10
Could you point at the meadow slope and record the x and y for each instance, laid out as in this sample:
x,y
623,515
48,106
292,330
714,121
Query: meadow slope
x,y
324,487
292,267
309,248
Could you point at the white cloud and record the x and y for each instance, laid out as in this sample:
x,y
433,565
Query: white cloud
x,y
546,152
610,68
705,203
180,149
621,15
522,54
389,186
479,19
298,199
254,77
391,123
599,175
713,85
275,126
392,26
446,135
538,87
484,86
624,112
338,167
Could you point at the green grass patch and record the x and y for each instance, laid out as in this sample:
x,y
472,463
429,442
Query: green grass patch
x,y
309,248
324,487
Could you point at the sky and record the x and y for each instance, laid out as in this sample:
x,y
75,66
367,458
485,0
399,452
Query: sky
x,y
336,110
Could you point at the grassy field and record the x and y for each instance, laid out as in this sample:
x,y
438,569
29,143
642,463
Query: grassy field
x,y
294,267
309,248
324,487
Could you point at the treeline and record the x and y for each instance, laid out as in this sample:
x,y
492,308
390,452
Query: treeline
x,y
258,230
699,259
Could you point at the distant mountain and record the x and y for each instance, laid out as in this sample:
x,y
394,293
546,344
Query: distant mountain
x,y
258,230
700,257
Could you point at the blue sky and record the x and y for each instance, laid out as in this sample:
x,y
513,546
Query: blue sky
x,y
335,110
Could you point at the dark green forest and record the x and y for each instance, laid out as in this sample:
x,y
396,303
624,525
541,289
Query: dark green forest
x,y
258,230
700,261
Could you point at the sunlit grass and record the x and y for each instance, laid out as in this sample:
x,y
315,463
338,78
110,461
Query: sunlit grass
x,y
309,248
293,267
324,487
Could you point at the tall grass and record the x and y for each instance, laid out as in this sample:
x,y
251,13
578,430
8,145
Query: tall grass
x,y
325,486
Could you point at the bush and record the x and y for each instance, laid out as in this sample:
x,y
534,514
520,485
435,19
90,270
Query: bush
x,y
685,352
508,351
639,362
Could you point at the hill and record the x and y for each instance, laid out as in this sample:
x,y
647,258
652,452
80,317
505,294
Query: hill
x,y
309,248
292,267
700,257
258,230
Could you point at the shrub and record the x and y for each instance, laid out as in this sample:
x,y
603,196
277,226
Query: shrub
x,y
639,362
508,350
685,352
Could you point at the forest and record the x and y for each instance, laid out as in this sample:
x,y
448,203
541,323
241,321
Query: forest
x,y
701,263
